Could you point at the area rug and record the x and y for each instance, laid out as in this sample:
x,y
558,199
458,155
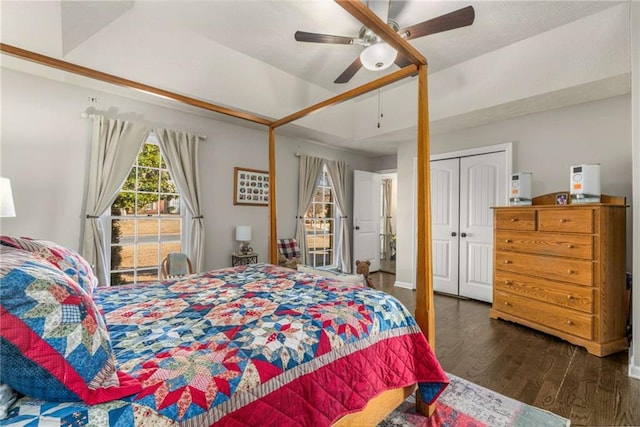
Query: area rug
x,y
466,404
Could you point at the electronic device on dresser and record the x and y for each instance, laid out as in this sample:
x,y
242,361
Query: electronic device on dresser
x,y
560,269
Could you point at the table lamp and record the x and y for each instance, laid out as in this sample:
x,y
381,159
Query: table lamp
x,y
243,235
7,209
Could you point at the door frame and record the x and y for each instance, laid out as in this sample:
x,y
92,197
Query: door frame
x,y
486,149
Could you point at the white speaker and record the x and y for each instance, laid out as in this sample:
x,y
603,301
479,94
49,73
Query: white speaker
x,y
585,183
520,193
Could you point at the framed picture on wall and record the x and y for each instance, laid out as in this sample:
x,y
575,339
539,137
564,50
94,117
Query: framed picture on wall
x,y
250,187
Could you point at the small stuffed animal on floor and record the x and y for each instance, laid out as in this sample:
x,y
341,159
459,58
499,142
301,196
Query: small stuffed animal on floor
x,y
362,267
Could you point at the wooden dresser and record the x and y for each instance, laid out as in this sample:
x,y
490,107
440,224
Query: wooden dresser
x,y
561,270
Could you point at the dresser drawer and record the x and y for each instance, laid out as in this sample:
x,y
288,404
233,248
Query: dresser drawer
x,y
562,269
567,220
544,290
515,219
561,319
567,245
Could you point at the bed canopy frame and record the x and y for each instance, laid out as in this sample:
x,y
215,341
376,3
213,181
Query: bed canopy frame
x,y
425,315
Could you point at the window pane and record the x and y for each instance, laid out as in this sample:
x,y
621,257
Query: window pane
x,y
148,230
150,156
147,275
116,257
170,230
148,254
127,257
169,204
118,279
166,248
167,185
147,204
130,182
148,179
127,231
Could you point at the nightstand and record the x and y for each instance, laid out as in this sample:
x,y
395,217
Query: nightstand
x,y
239,259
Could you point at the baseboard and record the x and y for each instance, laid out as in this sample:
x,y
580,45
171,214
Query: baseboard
x,y
634,370
404,285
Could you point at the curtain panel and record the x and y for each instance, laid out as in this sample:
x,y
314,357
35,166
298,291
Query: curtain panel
x,y
338,176
180,151
309,173
114,147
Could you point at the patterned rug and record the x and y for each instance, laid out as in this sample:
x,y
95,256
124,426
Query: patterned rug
x,y
469,405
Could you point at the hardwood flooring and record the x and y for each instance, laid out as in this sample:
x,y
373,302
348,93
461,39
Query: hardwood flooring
x,y
528,365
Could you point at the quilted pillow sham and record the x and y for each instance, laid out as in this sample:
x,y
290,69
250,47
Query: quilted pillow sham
x,y
54,344
67,260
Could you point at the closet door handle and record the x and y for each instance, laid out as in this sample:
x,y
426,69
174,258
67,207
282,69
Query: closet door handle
x,y
454,234
463,234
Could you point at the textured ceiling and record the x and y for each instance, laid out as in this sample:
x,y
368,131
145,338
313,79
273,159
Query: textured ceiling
x,y
210,49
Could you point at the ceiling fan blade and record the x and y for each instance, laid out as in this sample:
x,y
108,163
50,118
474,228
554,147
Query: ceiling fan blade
x,y
456,19
303,36
349,72
401,61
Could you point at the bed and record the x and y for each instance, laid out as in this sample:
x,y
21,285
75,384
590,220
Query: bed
x,y
248,345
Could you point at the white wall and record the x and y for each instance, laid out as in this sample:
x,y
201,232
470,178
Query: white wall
x,y
45,147
546,144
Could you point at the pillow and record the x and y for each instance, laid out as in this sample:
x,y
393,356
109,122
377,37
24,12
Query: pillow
x,y
352,278
54,344
67,260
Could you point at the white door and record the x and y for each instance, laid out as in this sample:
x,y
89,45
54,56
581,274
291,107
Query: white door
x,y
482,185
367,206
445,184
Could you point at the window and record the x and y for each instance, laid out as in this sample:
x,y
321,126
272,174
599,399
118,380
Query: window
x,y
146,221
320,224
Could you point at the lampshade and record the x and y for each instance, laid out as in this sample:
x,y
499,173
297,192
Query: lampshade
x,y
6,199
243,233
378,56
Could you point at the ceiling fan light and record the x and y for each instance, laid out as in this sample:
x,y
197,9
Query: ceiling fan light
x,y
378,56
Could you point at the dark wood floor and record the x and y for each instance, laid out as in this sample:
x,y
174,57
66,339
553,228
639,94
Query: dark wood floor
x,y
528,365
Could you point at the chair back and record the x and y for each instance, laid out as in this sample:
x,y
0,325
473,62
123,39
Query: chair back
x,y
289,248
175,264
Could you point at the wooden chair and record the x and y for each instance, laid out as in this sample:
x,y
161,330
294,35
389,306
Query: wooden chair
x,y
175,264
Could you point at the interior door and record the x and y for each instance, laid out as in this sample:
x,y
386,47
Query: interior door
x,y
367,207
445,202
482,185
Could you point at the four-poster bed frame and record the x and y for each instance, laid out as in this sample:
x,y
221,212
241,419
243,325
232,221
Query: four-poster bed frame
x,y
380,406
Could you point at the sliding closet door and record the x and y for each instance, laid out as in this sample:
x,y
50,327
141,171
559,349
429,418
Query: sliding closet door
x,y
482,185
445,183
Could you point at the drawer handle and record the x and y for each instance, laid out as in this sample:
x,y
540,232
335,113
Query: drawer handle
x,y
570,246
569,322
570,272
506,261
508,240
563,220
570,297
508,282
514,219
507,304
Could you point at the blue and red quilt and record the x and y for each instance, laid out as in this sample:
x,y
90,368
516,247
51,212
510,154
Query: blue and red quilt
x,y
250,345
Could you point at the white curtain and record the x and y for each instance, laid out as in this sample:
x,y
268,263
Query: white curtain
x,y
309,172
338,175
386,213
180,151
114,148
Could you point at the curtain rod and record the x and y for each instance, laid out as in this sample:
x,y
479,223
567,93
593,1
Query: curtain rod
x,y
300,154
91,116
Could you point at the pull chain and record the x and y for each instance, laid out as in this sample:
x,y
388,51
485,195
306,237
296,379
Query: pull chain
x,y
380,113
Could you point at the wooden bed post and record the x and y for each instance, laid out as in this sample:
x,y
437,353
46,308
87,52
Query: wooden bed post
x,y
425,314
273,217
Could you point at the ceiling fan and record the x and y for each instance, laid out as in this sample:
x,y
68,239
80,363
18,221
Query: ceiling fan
x,y
378,55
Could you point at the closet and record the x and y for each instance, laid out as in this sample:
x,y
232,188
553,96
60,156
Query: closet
x,y
464,188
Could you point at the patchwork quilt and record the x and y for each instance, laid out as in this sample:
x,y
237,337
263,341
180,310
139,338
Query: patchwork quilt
x,y
251,345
